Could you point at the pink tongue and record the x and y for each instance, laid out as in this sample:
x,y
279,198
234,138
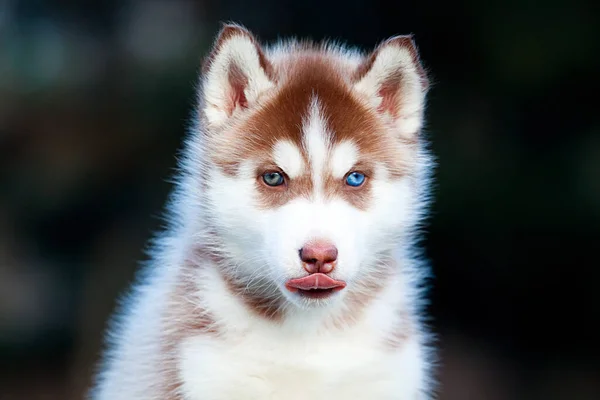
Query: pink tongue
x,y
314,281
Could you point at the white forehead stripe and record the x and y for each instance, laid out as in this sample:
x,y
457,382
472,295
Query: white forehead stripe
x,y
316,141
344,157
288,157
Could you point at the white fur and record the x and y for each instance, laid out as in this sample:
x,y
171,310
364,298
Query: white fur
x,y
316,142
343,158
305,355
288,158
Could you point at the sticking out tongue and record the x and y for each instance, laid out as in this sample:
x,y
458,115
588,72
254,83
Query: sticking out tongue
x,y
316,281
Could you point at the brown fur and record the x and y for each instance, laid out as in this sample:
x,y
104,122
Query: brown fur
x,y
253,135
184,317
237,80
270,308
403,41
277,196
227,32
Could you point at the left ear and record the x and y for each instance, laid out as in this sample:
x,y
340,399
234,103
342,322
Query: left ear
x,y
236,73
393,79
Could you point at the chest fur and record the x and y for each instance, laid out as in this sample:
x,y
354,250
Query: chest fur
x,y
320,368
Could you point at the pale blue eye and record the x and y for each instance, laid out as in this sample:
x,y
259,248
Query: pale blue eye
x,y
355,179
273,178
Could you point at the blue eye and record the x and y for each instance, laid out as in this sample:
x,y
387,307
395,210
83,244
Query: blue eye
x,y
273,178
355,179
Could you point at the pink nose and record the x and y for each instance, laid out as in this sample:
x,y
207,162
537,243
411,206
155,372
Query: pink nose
x,y
318,257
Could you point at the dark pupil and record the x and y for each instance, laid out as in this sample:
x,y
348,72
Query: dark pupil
x,y
273,178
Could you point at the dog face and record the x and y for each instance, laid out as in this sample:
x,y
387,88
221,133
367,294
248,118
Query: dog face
x,y
311,161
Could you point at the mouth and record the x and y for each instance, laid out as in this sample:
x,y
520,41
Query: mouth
x,y
315,286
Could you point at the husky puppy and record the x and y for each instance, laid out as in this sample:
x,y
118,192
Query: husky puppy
x,y
288,270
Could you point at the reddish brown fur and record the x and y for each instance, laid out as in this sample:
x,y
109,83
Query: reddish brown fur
x,y
270,197
183,318
253,135
237,80
402,41
227,32
270,308
390,89
359,197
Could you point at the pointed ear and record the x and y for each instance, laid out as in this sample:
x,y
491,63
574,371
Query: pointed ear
x,y
236,73
393,79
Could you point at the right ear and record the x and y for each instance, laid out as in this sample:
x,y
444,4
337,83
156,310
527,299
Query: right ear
x,y
236,73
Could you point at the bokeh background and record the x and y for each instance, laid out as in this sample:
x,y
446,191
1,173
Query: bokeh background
x,y
95,98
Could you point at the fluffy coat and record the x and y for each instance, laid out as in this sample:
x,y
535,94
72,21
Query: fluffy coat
x,y
210,317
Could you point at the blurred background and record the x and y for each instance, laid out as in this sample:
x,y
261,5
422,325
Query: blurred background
x,y
95,98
